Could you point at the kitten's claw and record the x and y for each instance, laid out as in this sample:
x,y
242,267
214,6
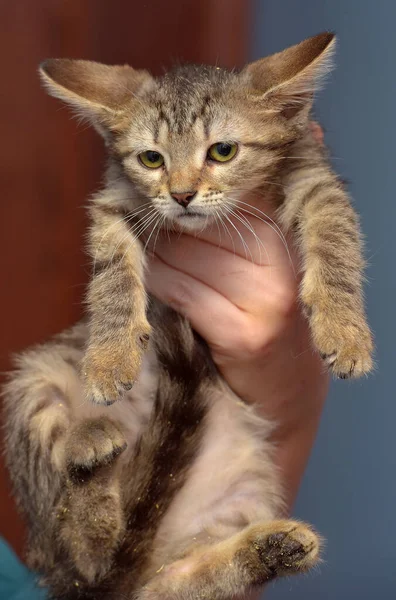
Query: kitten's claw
x,y
346,349
329,359
110,370
92,444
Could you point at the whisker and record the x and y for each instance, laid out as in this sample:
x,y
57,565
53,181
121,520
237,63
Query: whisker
x,y
245,246
136,233
267,220
228,232
141,230
152,231
274,227
133,230
160,226
125,219
267,217
218,226
248,226
142,226
203,226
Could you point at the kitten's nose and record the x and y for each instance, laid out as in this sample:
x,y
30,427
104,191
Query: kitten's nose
x,y
183,198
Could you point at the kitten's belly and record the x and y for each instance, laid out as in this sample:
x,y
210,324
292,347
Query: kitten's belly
x,y
232,483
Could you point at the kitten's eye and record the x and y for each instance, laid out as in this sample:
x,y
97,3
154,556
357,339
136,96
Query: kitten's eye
x,y
151,159
222,152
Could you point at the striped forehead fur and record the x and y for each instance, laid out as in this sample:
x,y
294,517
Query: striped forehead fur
x,y
187,92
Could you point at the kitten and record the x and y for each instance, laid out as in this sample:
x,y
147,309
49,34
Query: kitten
x,y
173,493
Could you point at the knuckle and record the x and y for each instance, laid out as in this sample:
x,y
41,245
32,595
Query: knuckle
x,y
180,295
251,339
283,302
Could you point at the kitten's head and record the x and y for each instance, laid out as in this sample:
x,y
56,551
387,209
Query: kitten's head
x,y
194,141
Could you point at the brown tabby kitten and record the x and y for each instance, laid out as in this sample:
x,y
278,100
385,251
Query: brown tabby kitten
x,y
173,493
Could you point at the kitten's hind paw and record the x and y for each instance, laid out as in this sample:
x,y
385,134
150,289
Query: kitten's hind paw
x,y
292,548
247,560
92,444
90,513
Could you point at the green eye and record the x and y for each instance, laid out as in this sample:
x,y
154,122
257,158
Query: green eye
x,y
222,151
151,159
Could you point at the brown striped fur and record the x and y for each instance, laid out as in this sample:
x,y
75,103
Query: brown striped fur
x,y
172,493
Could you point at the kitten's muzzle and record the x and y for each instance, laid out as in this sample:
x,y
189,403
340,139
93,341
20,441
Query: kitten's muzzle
x,y
183,198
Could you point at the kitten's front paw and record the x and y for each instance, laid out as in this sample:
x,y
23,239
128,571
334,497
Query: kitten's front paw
x,y
92,444
346,346
109,370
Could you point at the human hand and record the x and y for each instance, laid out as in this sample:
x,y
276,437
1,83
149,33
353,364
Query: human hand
x,y
237,283
244,304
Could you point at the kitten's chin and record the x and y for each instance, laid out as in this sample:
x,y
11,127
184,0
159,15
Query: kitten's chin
x,y
192,222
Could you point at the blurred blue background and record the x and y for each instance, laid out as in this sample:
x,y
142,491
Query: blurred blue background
x,y
349,491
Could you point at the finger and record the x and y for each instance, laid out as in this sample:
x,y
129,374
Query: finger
x,y
248,286
212,315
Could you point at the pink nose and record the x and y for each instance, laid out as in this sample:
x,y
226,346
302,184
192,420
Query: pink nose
x,y
183,198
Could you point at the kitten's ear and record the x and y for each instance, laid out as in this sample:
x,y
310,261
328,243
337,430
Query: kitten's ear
x,y
286,81
98,93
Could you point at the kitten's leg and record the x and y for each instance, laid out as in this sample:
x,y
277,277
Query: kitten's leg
x,y
331,290
232,567
118,327
169,445
90,513
64,467
37,417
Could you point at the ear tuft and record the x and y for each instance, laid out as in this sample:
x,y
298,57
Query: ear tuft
x,y
289,78
97,92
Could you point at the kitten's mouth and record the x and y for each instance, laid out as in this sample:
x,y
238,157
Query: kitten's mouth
x,y
190,214
192,220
